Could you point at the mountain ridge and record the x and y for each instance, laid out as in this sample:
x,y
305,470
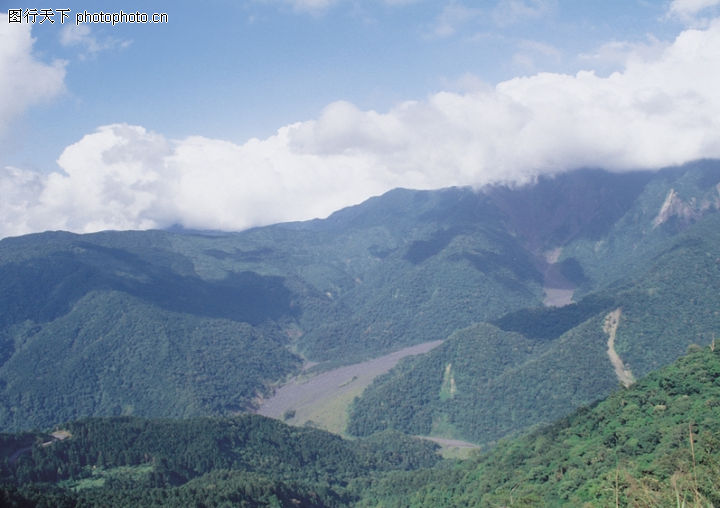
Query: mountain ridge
x,y
400,269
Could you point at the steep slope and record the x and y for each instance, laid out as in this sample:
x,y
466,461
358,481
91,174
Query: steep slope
x,y
416,395
158,323
643,231
581,205
559,360
655,444
113,354
92,328
401,269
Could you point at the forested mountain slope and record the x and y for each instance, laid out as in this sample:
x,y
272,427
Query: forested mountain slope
x,y
161,323
245,461
536,364
655,444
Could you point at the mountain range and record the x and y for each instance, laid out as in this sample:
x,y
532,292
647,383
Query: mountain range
x,y
548,296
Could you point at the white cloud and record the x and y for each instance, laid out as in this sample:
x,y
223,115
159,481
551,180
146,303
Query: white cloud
x,y
24,80
661,109
453,16
616,55
81,36
20,208
689,9
125,177
526,58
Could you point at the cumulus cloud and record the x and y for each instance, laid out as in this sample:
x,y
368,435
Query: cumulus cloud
x,y
661,109
24,80
126,177
616,55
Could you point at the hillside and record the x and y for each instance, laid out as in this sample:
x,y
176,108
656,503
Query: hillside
x,y
187,323
245,461
163,324
655,444
554,360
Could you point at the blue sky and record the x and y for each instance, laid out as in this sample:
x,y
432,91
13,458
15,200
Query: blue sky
x,y
235,70
240,113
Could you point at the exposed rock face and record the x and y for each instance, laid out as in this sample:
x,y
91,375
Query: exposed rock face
x,y
674,207
686,211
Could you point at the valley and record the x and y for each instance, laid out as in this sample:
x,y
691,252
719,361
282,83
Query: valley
x,y
415,313
648,445
360,254
322,399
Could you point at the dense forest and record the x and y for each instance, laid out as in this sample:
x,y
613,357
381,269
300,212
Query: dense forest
x,y
654,444
490,380
131,362
247,459
210,311
190,323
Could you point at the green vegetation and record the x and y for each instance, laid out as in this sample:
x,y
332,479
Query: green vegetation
x,y
634,238
655,444
183,325
247,460
177,325
415,395
675,302
550,323
114,355
545,362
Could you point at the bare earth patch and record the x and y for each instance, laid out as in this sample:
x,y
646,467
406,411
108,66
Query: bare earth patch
x,y
610,327
453,448
557,289
325,398
555,297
